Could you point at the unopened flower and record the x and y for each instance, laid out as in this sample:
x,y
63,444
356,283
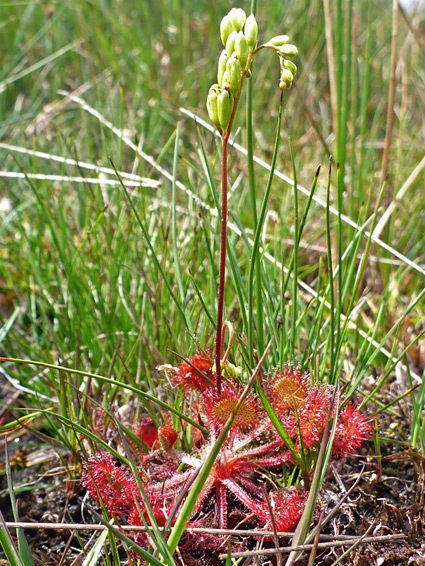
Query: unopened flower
x,y
222,62
229,370
226,28
241,49
286,78
251,31
288,50
237,16
225,108
278,40
289,65
230,43
212,105
233,74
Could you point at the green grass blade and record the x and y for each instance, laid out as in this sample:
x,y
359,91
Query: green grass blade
x,y
24,552
97,549
15,77
151,248
255,256
127,386
7,544
174,227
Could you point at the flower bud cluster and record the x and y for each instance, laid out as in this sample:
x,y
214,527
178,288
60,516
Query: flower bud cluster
x,y
239,36
286,51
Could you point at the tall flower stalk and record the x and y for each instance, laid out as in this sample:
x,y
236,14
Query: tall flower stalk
x,y
236,431
239,38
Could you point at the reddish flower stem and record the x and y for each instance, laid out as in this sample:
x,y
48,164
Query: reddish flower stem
x,y
223,230
222,271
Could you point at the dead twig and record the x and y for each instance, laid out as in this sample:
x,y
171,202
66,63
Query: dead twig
x,y
322,545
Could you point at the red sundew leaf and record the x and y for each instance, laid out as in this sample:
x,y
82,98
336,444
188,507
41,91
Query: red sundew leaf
x,y
220,407
187,376
114,484
288,388
167,436
287,507
312,417
158,466
160,508
352,429
147,431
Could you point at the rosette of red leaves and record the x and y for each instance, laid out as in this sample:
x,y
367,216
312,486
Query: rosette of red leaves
x,y
252,443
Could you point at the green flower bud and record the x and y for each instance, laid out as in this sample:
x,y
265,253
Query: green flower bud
x,y
237,16
230,43
222,67
278,40
226,29
241,49
229,370
286,78
224,107
251,31
212,106
288,50
233,74
290,66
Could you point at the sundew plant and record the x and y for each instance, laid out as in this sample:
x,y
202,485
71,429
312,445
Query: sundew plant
x,y
257,437
201,360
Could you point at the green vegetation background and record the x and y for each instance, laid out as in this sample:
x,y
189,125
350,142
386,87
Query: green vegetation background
x,y
81,286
